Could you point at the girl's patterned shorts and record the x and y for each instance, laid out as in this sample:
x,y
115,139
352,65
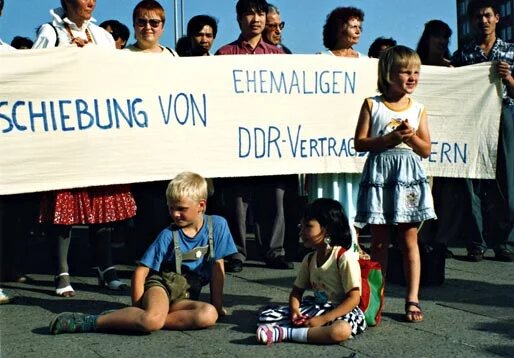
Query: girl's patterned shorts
x,y
281,315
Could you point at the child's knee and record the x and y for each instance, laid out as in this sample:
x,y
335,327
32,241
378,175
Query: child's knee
x,y
206,316
341,331
151,322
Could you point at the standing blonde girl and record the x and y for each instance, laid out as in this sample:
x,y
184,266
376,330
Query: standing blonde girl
x,y
394,189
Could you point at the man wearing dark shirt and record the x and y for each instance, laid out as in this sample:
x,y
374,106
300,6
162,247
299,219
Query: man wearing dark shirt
x,y
201,31
492,201
251,16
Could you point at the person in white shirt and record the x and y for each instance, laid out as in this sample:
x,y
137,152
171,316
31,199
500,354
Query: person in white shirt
x,y
73,25
99,207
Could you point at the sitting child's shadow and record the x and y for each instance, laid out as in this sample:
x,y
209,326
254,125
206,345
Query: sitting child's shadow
x,y
243,312
243,321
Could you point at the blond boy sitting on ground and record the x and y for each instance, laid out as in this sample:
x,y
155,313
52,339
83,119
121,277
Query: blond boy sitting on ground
x,y
193,245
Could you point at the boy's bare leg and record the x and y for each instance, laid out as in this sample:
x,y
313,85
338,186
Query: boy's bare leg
x,y
188,314
151,317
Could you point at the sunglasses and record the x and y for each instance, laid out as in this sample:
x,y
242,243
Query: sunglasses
x,y
277,26
154,23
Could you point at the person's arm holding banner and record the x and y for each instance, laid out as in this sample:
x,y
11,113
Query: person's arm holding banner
x,y
505,73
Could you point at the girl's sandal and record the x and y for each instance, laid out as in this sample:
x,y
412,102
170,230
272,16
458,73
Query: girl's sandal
x,y
413,316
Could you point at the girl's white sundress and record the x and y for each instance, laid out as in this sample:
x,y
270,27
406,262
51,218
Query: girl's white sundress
x,y
394,188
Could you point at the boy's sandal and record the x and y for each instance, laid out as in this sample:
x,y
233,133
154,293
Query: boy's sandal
x,y
413,316
63,285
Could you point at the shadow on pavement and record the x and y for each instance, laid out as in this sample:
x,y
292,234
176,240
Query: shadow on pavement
x,y
286,282
248,341
504,328
244,321
446,292
93,306
35,286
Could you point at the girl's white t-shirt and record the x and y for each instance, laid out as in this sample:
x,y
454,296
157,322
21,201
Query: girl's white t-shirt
x,y
336,277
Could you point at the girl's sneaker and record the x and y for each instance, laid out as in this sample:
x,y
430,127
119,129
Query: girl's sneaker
x,y
267,334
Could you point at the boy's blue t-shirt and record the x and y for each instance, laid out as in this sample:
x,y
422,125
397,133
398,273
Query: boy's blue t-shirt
x,y
161,251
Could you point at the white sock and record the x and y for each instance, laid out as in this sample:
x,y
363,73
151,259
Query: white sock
x,y
299,334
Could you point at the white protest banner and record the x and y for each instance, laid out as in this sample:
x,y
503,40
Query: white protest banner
x,y
83,117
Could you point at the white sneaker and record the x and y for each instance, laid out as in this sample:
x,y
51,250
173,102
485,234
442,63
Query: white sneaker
x,y
4,298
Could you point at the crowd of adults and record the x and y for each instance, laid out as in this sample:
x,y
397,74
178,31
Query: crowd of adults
x,y
480,212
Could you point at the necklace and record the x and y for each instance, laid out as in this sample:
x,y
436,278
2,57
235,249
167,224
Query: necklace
x,y
77,40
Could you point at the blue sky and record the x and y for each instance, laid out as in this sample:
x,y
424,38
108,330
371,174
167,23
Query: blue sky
x,y
401,19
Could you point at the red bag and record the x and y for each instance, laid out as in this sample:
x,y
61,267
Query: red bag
x,y
372,291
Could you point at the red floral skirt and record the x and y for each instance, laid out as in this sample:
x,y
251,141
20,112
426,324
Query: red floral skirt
x,y
93,205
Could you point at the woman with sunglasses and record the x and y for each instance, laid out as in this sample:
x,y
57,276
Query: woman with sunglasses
x,y
100,207
148,18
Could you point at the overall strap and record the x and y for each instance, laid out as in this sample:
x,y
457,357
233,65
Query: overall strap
x,y
176,247
211,236
178,253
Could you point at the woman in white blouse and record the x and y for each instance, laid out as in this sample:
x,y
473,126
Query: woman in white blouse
x,y
72,25
341,32
99,207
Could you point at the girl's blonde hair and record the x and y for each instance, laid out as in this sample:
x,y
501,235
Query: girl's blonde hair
x,y
186,185
396,56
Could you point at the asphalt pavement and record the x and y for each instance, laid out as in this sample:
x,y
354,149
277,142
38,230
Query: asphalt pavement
x,y
470,315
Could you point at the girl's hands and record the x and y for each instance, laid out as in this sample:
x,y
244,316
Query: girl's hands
x,y
315,322
403,133
299,320
295,314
